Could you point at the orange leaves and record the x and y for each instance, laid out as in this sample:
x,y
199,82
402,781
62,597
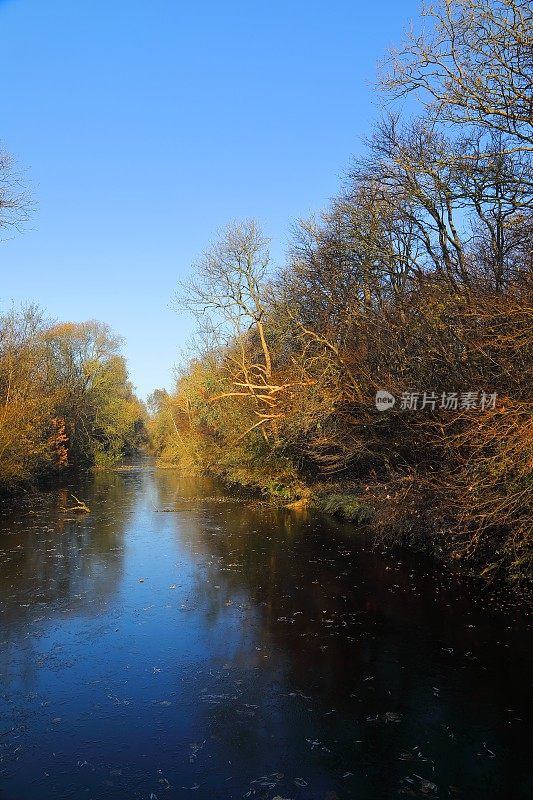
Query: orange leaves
x,y
57,441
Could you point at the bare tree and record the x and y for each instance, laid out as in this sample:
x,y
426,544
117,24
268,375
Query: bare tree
x,y
453,192
473,66
417,165
229,285
228,297
14,201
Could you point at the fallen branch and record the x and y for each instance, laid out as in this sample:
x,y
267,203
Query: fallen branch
x,y
79,508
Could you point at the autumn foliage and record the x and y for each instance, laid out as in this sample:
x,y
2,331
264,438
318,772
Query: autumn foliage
x,y
65,399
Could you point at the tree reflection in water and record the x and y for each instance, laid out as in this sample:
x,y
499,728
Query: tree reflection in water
x,y
178,640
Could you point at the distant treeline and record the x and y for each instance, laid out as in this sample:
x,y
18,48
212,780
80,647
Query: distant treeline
x,y
417,280
65,398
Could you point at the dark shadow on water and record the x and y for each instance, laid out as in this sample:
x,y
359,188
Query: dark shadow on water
x,y
178,642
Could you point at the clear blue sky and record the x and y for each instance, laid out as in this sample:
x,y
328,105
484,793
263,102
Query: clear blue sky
x,y
143,127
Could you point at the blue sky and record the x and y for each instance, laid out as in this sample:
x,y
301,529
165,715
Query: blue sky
x,y
141,128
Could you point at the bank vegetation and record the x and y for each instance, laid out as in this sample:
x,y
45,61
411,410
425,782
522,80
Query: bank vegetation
x,y
65,399
416,280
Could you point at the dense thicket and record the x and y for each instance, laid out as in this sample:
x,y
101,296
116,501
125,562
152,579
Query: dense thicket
x,y
417,280
65,398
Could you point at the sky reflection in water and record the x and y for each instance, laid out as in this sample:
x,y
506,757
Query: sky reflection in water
x,y
228,650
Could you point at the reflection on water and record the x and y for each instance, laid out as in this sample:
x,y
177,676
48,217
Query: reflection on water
x,y
177,642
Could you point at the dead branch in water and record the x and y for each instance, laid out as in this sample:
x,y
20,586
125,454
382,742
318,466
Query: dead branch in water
x,y
79,508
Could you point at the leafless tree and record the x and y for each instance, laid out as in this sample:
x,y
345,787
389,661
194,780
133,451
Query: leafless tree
x,y
14,201
474,66
228,295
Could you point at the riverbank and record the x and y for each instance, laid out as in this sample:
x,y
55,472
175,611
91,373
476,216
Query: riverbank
x,y
398,514
401,512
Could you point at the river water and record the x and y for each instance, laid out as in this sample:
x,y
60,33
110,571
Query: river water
x,y
177,642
